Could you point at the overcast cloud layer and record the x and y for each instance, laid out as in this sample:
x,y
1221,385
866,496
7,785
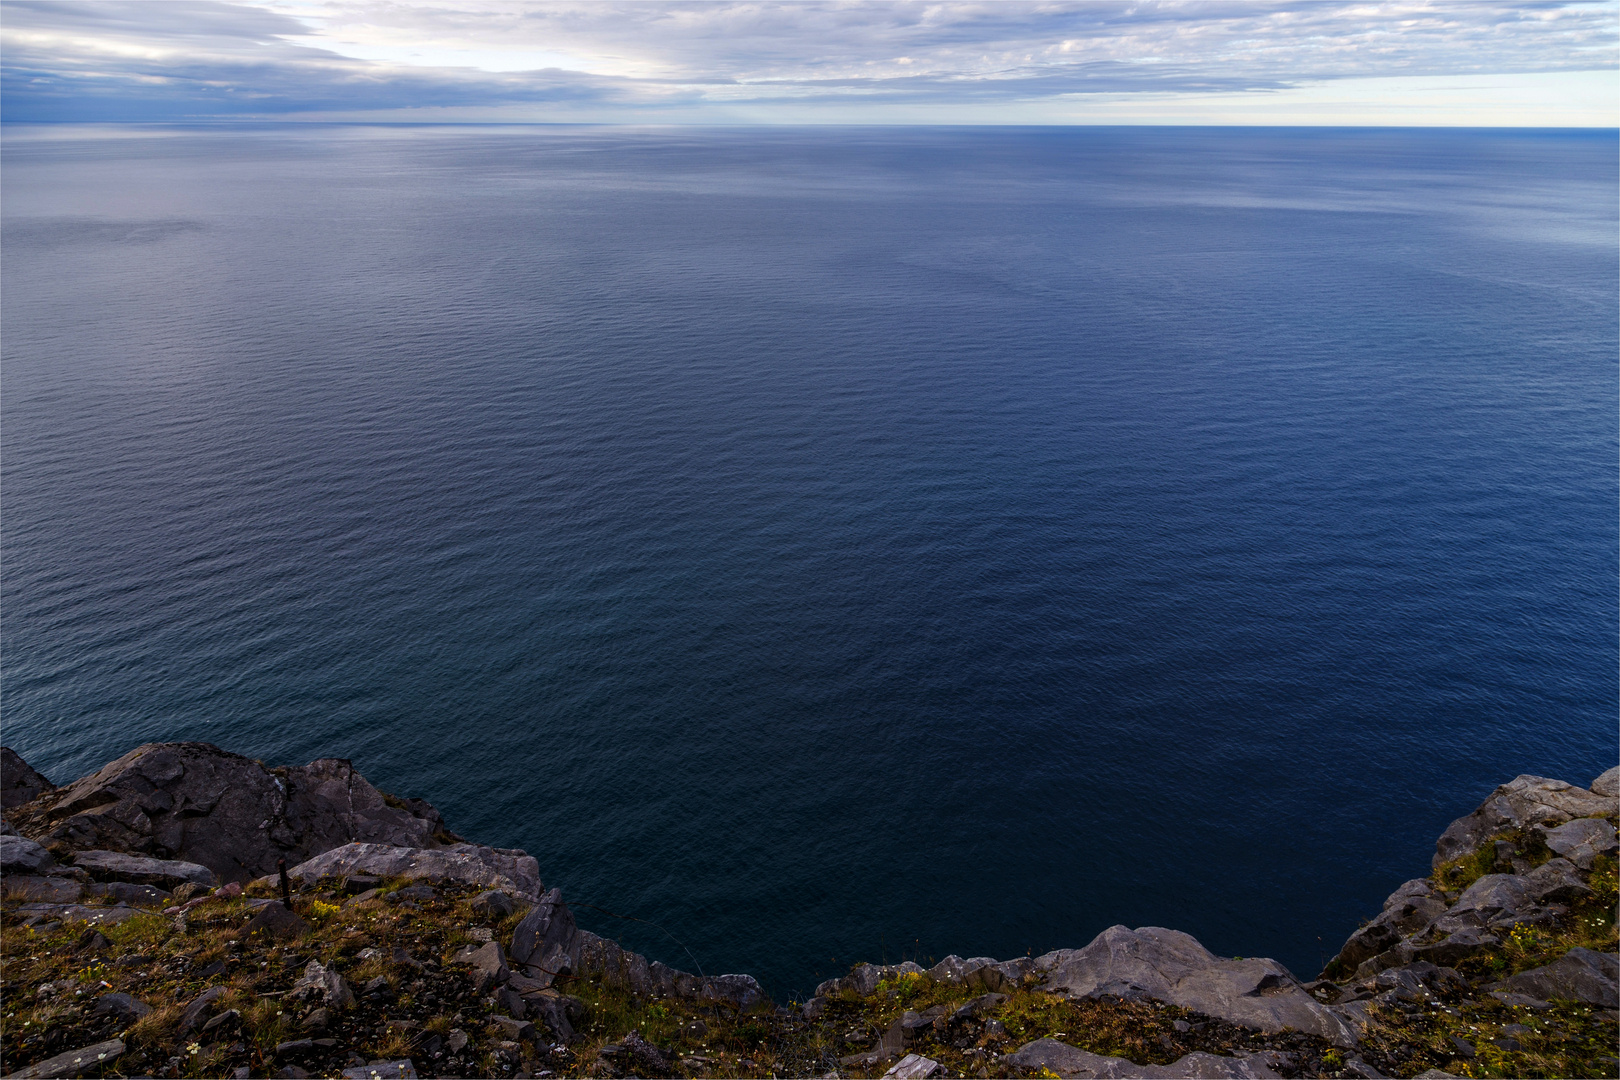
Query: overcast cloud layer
x,y
108,60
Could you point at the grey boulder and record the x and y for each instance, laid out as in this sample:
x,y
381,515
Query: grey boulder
x,y
19,855
1579,975
322,985
138,870
1070,1061
1173,967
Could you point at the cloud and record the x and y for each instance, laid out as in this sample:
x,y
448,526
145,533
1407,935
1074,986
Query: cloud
x,y
108,60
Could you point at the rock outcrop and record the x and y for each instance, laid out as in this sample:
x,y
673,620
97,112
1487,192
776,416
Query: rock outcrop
x,y
164,825
547,945
1421,922
200,804
1169,966
1527,801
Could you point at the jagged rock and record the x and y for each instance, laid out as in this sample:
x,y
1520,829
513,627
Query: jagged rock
x,y
1497,896
322,985
743,991
47,890
19,855
198,1008
488,963
890,1045
589,954
639,1057
1579,975
1583,840
220,1026
138,870
1420,981
1523,801
1408,910
19,784
1173,967
556,1011
1557,880
955,971
126,1008
516,1030
168,800
912,1022
494,868
541,941
1608,784
975,1007
1070,1061
73,1063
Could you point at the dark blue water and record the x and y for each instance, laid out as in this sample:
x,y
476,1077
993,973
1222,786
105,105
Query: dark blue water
x,y
833,544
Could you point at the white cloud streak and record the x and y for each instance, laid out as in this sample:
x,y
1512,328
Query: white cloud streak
x,y
156,59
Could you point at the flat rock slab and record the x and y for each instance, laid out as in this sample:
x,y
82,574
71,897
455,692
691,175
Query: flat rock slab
x,y
1071,1061
1579,975
95,916
383,1070
914,1067
139,870
1170,966
74,1062
45,890
1581,841
493,868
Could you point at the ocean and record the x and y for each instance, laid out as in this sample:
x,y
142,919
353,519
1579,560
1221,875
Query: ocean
x,y
832,544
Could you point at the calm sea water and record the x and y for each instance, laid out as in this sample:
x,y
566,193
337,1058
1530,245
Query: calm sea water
x,y
833,544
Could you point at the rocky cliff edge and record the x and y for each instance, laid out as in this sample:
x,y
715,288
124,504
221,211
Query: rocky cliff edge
x,y
1500,962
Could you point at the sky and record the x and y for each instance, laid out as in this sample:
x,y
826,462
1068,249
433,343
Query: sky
x,y
1456,63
